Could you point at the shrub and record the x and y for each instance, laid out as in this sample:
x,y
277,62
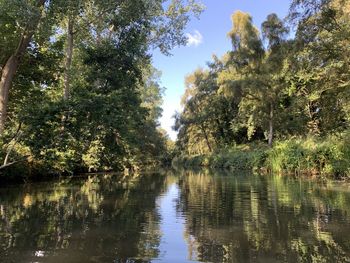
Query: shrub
x,y
329,157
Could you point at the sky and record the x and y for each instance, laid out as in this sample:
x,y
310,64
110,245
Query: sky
x,y
206,36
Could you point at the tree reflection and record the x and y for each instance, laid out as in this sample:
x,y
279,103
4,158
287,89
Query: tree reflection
x,y
103,218
227,217
245,218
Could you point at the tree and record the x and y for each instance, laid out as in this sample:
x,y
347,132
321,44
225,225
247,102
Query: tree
x,y
321,78
33,13
86,74
261,79
205,122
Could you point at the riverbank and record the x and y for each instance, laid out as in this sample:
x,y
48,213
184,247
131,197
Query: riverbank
x,y
328,157
29,171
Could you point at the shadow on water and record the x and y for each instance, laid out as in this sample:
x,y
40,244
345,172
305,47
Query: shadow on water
x,y
206,216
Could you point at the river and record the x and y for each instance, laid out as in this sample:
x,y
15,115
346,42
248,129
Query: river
x,y
183,216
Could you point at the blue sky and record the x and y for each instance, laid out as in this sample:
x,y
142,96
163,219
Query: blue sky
x,y
208,36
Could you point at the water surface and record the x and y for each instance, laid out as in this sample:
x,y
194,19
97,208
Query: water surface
x,y
176,217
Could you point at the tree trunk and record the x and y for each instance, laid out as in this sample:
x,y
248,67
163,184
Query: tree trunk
x,y
206,138
2,167
10,69
7,75
10,146
69,56
271,125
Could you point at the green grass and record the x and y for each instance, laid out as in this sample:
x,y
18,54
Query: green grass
x,y
329,157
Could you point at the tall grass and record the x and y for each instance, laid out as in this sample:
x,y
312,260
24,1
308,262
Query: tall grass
x,y
244,157
326,157
315,156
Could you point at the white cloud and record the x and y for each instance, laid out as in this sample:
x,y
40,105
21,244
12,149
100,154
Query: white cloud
x,y
194,39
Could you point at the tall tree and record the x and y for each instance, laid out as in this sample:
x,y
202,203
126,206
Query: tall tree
x,y
91,67
34,11
321,65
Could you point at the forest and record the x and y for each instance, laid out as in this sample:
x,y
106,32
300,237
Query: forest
x,y
78,91
88,172
279,100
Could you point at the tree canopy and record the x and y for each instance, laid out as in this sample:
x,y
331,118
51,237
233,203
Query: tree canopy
x,y
273,83
78,90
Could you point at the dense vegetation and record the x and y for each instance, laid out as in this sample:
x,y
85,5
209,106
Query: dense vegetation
x,y
287,87
78,91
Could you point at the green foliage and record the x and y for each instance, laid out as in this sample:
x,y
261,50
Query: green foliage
x,y
327,157
239,158
275,87
109,118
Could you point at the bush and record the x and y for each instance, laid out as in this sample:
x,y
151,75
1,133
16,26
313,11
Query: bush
x,y
329,157
314,156
243,158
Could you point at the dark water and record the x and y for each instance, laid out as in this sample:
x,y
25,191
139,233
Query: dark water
x,y
178,217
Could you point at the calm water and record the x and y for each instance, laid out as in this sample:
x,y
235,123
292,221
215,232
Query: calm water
x,y
178,217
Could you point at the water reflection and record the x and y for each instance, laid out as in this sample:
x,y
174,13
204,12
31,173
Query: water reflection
x,y
184,216
96,220
245,218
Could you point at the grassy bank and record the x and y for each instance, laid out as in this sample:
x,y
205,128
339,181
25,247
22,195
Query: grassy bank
x,y
327,157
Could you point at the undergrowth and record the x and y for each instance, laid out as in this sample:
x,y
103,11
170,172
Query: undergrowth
x,y
325,157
